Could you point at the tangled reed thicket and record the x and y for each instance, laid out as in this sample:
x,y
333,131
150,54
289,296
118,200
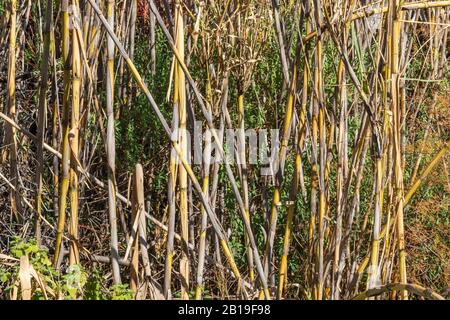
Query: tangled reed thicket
x,y
101,197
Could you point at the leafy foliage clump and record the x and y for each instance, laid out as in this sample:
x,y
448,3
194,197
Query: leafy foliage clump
x,y
75,282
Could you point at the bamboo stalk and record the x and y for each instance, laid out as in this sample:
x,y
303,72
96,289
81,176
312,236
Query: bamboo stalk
x,y
138,207
153,42
74,255
10,137
279,175
204,217
171,189
180,100
111,148
397,121
320,124
64,185
42,115
244,180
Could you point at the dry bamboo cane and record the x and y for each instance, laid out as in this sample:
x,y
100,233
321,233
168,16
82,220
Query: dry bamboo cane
x,y
138,207
171,189
279,173
244,180
180,100
131,47
320,123
134,263
342,150
215,176
10,136
111,149
133,8
306,75
64,186
397,121
315,173
74,255
374,275
204,222
42,117
342,155
202,242
143,244
283,57
56,124
205,188
387,147
379,157
153,42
